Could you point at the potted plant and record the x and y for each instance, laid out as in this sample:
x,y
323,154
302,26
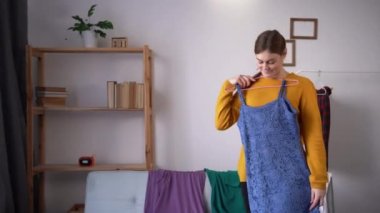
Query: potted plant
x,y
88,30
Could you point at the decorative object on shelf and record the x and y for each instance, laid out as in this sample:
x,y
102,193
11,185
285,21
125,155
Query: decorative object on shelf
x,y
290,60
89,30
303,28
119,42
86,161
89,39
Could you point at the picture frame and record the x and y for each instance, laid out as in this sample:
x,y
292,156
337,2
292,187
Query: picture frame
x,y
303,28
290,59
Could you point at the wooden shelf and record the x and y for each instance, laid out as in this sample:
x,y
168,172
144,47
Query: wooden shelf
x,y
77,168
39,50
41,110
36,135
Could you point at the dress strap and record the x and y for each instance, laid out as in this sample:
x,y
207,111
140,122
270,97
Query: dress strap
x,y
240,94
282,92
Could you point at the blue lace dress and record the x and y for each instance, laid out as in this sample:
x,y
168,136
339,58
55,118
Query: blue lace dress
x,y
277,174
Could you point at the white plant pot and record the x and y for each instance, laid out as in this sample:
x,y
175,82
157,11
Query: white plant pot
x,y
89,39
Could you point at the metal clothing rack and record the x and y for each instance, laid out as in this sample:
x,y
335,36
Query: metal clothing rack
x,y
339,72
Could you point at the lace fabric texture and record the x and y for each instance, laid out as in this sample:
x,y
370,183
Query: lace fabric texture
x,y
277,174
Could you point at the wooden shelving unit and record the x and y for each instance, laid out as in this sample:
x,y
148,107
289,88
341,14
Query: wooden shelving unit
x,y
42,110
37,168
76,168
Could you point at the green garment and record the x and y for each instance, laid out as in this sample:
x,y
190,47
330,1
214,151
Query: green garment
x,y
226,195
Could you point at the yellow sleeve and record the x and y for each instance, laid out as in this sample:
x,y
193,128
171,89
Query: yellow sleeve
x,y
226,115
311,131
241,168
227,107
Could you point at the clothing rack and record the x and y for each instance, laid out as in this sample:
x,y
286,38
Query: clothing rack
x,y
339,72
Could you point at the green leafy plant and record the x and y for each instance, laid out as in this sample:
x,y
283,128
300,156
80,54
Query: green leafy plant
x,y
85,25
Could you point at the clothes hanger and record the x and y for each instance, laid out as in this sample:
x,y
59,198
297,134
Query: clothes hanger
x,y
289,82
292,82
321,85
324,91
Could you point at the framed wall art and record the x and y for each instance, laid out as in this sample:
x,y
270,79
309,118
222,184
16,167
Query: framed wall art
x,y
290,59
303,28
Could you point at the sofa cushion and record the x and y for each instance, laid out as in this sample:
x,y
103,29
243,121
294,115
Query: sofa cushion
x,y
115,191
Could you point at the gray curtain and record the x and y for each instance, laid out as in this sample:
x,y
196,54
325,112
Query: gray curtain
x,y
13,38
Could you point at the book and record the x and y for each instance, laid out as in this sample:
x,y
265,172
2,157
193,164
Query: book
x,y
132,94
111,94
139,96
51,94
122,99
51,101
51,89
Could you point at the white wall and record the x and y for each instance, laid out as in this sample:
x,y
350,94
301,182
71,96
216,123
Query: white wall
x,y
197,45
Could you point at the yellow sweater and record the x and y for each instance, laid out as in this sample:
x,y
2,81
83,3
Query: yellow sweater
x,y
303,98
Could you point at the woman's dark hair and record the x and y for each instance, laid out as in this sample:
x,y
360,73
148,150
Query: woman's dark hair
x,y
272,41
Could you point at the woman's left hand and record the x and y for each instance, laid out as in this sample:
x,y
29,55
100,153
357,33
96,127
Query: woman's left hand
x,y
317,196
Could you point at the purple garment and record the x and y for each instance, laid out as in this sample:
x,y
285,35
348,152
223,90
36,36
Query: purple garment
x,y
175,191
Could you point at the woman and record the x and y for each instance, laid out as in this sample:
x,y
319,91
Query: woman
x,y
282,161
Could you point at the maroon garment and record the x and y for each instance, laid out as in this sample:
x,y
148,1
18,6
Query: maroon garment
x,y
175,192
324,108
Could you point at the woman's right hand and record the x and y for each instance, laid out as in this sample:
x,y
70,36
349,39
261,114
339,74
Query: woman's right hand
x,y
244,81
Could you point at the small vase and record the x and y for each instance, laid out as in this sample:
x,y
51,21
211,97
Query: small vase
x,y
89,39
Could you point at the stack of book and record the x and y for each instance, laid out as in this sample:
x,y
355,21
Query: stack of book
x,y
51,96
129,95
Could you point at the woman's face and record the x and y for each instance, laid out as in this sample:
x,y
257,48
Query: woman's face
x,y
270,64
